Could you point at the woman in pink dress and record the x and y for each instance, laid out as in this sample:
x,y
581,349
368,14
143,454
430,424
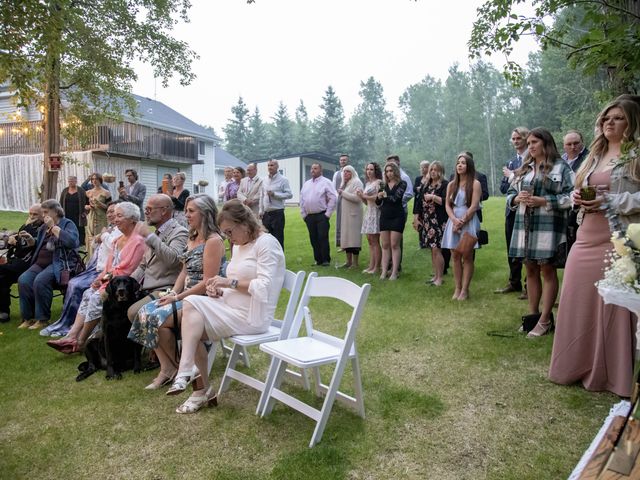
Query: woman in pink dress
x,y
594,342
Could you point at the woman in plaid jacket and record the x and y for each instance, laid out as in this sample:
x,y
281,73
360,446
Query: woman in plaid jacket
x,y
540,195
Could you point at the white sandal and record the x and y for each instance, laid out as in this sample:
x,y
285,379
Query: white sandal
x,y
197,402
182,381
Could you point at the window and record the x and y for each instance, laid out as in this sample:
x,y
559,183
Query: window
x,y
201,148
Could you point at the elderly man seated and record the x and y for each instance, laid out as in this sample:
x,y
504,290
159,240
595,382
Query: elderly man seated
x,y
18,258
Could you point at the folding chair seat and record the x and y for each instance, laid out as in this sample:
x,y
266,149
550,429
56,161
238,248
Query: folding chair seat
x,y
279,329
318,349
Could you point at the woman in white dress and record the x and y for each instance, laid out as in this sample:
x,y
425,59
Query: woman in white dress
x,y
243,302
371,220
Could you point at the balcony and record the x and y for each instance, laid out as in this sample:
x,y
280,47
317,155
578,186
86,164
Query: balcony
x,y
118,138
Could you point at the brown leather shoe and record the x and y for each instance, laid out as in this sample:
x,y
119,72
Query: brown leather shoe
x,y
26,323
39,325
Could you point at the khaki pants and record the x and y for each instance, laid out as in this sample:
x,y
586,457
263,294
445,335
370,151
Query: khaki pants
x,y
135,308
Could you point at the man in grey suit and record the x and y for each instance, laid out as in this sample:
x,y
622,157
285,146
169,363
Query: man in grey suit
x,y
134,192
250,189
161,264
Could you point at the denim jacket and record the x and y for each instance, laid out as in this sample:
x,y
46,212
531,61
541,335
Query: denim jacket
x,y
624,196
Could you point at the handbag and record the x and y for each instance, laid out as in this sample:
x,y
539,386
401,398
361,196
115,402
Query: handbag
x,y
483,237
530,321
67,272
466,244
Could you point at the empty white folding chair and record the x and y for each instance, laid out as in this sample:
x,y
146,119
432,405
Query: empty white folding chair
x,y
317,349
279,329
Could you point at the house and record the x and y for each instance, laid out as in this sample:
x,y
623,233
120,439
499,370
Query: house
x,y
158,140
297,168
212,171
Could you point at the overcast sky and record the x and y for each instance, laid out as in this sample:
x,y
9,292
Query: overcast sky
x,y
287,50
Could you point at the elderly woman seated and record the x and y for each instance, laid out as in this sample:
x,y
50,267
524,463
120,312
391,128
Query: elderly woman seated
x,y
56,248
243,302
79,284
127,253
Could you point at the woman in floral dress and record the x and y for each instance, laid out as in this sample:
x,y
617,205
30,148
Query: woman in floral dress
x,y
430,217
98,198
371,219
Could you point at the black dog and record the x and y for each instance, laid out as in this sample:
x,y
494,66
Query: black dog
x,y
111,349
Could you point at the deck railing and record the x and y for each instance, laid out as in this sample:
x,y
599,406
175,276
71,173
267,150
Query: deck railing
x,y
124,138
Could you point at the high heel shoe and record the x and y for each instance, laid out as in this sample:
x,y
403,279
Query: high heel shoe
x,y
197,402
540,329
182,381
160,381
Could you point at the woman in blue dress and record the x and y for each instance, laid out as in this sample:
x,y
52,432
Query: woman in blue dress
x,y
156,324
462,203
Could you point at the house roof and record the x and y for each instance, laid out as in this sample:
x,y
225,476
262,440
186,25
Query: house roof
x,y
323,157
160,115
225,159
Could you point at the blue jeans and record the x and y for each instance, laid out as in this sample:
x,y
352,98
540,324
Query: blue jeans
x,y
72,298
36,293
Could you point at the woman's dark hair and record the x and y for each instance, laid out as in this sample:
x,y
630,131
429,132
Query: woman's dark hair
x,y
470,177
377,171
98,176
395,170
550,153
241,170
235,211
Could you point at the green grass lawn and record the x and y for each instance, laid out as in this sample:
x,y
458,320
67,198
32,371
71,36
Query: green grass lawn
x,y
444,400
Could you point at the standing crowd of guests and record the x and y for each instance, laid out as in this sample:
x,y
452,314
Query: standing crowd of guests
x,y
193,294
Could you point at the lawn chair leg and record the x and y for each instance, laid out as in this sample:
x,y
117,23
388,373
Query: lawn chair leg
x,y
317,384
328,402
211,356
231,365
357,381
274,380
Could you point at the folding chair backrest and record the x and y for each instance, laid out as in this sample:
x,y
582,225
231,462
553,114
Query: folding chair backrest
x,y
330,287
293,283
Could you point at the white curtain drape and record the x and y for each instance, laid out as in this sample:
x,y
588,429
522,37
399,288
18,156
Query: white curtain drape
x,y
21,176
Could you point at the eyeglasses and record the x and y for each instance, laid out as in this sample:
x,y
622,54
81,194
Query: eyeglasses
x,y
229,231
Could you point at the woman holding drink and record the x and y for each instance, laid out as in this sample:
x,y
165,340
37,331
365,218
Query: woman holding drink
x,y
594,342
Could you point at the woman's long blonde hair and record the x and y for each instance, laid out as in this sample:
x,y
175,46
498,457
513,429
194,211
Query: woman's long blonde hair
x,y
600,144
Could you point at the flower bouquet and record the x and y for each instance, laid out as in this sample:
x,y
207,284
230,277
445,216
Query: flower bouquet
x,y
620,285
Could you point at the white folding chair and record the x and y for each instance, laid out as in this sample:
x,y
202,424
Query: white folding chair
x,y
279,329
226,351
317,349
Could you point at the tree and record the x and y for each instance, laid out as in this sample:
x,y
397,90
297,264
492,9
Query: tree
x,y
236,130
87,51
257,146
282,132
597,34
301,130
329,130
371,127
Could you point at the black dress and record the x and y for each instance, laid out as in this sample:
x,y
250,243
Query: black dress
x,y
392,216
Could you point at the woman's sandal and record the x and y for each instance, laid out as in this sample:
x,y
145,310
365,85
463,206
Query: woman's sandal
x,y
182,381
197,402
160,381
540,329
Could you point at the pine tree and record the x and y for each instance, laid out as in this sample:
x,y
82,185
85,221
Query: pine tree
x,y
302,130
329,130
237,131
258,138
282,132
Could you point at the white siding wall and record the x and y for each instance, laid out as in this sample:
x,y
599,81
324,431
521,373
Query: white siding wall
x,y
148,175
206,171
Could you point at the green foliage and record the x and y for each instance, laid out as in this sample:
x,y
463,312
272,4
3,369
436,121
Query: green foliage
x,y
282,132
599,35
302,129
237,130
329,129
88,50
258,146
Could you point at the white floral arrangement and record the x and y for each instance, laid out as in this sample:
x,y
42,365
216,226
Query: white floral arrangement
x,y
624,261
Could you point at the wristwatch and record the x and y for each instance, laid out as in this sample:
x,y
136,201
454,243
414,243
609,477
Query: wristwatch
x,y
234,283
